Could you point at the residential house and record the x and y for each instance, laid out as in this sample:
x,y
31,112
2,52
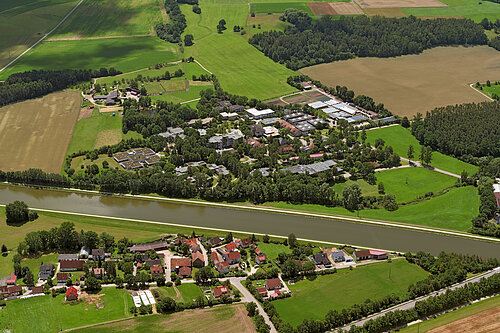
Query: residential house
x,y
322,259
156,270
258,251
45,271
233,257
230,247
98,254
12,280
262,291
244,243
99,272
338,256
215,241
214,256
62,277
261,259
71,265
71,294
220,291
293,130
198,259
184,272
496,192
257,130
370,254
273,284
194,247
37,290
152,262
16,290
181,266
222,267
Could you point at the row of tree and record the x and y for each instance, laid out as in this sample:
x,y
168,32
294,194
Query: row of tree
x,y
36,83
309,42
172,31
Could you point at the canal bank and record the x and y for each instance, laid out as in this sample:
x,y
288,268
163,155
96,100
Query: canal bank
x,y
223,217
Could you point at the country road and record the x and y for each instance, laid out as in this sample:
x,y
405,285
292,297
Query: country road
x,y
411,304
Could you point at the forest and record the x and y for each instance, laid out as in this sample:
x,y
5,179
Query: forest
x,y
172,31
32,84
309,42
461,130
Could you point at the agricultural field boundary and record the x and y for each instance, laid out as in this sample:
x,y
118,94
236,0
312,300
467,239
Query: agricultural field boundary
x,y
43,37
262,209
488,97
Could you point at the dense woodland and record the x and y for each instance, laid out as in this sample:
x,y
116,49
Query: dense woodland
x,y
459,130
172,31
308,42
32,84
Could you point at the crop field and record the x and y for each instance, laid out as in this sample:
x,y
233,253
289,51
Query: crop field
x,y
31,19
125,54
99,130
471,318
387,12
36,133
400,139
415,83
279,7
63,315
313,299
97,18
223,319
409,183
475,10
240,68
399,3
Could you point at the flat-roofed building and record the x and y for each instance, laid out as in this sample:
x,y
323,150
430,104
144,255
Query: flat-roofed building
x,y
259,114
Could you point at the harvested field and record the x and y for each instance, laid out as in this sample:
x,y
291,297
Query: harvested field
x,y
108,137
346,8
387,12
482,322
36,133
415,83
85,113
321,8
399,3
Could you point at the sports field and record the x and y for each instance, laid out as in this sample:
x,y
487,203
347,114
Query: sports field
x,y
223,319
415,83
36,133
400,139
313,299
125,54
240,68
99,130
13,317
24,22
483,316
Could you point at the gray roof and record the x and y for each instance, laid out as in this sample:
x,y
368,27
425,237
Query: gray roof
x,y
71,256
312,169
269,121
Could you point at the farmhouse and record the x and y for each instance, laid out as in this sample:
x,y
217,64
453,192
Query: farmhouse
x,y
71,265
181,266
37,290
259,114
16,290
272,284
370,254
109,99
71,294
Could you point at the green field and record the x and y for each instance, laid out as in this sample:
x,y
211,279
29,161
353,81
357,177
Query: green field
x,y
99,130
453,210
95,18
493,89
182,96
313,299
24,22
409,183
400,138
240,68
272,250
450,317
475,10
366,189
34,263
125,54
48,314
279,7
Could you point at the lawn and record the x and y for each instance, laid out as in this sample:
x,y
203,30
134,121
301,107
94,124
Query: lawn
x,y
400,138
222,319
453,210
493,89
112,18
48,314
313,299
366,189
279,7
182,96
189,292
450,317
99,130
475,10
125,54
272,250
240,68
34,263
409,183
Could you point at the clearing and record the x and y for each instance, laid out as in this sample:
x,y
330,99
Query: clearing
x,y
63,315
484,314
400,139
222,319
313,299
36,133
415,83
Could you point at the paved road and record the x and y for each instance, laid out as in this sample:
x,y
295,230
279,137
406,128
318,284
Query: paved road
x,y
419,164
411,304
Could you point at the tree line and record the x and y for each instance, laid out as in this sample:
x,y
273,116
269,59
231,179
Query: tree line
x,y
172,31
36,83
310,42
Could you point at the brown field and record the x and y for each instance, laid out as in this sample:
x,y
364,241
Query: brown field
x,y
415,83
221,319
482,322
108,137
399,3
321,8
36,133
387,12
346,8
85,113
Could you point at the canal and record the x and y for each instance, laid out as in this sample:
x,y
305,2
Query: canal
x,y
249,221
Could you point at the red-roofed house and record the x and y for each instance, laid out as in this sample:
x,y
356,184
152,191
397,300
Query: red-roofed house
x,y
15,290
262,291
262,259
12,280
71,265
222,267
71,294
220,291
62,277
231,247
378,254
258,251
272,284
182,266
37,290
198,259
232,257
215,257
156,270
184,271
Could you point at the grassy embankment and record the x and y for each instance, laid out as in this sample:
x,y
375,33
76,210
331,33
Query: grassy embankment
x,y
313,299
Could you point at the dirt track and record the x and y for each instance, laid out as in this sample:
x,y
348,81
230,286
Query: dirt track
x,y
482,322
415,83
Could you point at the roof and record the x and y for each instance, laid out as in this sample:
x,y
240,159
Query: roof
x,y
262,290
273,283
214,256
70,256
215,240
220,290
15,289
71,291
185,271
70,264
260,113
362,253
317,105
233,255
377,252
62,276
180,262
12,279
231,246
97,252
99,271
321,259
222,265
37,290
199,256
156,269
149,246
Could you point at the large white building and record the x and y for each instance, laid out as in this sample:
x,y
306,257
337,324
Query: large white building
x,y
259,114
